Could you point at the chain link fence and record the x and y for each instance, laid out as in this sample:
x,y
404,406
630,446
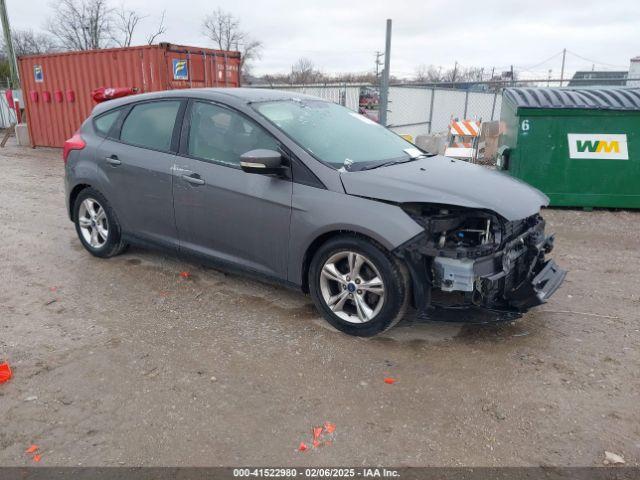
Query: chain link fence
x,y
425,112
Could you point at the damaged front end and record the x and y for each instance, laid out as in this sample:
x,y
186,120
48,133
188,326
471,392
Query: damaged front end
x,y
476,260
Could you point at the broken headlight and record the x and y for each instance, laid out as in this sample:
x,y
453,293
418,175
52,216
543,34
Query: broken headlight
x,y
457,232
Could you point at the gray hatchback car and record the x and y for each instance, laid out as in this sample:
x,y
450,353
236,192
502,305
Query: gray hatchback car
x,y
313,195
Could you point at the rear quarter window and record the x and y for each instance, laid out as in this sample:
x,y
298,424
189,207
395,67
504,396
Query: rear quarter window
x,y
103,123
150,125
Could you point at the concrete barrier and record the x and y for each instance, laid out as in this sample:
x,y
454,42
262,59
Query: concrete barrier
x,y
22,135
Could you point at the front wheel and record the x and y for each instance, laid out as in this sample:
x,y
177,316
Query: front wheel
x,y
358,286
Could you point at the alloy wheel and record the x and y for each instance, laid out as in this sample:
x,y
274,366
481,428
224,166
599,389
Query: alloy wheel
x,y
352,287
93,223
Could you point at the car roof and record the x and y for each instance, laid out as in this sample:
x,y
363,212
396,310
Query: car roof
x,y
231,95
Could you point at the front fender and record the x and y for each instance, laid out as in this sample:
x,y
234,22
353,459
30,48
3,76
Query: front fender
x,y
316,212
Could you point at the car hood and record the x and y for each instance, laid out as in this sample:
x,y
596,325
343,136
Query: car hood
x,y
445,181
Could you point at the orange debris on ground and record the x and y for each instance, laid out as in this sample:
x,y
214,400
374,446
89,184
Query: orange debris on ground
x,y
318,433
389,380
5,372
31,449
185,274
329,427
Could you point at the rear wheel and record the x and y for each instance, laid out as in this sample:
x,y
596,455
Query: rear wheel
x,y
97,225
358,286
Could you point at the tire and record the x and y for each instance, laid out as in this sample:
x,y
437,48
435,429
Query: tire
x,y
375,263
102,220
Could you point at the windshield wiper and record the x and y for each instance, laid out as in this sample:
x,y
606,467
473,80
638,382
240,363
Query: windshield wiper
x,y
392,162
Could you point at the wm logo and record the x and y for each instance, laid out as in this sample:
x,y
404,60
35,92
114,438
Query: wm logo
x,y
604,146
598,146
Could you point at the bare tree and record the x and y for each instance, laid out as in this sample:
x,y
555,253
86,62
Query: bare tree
x,y
304,72
427,74
82,24
158,31
250,50
276,79
28,42
348,77
224,30
125,24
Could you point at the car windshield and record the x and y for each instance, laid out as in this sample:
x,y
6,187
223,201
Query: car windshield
x,y
336,135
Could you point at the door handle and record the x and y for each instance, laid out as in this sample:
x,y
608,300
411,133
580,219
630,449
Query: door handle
x,y
113,160
193,180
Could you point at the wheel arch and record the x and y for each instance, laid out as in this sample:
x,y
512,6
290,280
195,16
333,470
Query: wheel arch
x,y
322,238
73,194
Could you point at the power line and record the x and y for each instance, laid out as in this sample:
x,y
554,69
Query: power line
x,y
531,67
596,62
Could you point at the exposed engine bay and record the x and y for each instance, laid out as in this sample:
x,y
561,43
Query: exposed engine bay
x,y
475,258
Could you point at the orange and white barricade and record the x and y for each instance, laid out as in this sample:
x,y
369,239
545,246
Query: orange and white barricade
x,y
464,140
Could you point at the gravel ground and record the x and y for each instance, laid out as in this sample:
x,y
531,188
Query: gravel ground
x,y
123,362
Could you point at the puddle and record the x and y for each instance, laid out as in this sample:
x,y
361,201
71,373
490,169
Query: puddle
x,y
425,332
497,332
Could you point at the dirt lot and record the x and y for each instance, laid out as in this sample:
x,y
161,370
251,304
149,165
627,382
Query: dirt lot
x,y
123,362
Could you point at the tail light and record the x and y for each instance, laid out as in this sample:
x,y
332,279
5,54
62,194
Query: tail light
x,y
74,143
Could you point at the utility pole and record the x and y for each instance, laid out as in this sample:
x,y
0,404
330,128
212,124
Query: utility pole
x,y
378,64
564,56
11,54
384,88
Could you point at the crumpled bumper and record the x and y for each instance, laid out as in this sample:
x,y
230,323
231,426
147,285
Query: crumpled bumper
x,y
537,290
506,284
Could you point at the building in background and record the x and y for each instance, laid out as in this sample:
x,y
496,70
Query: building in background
x,y
608,78
590,78
634,72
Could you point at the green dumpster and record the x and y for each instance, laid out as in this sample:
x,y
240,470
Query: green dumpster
x,y
580,146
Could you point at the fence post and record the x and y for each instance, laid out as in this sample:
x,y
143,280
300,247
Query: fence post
x,y
466,105
493,107
384,88
433,94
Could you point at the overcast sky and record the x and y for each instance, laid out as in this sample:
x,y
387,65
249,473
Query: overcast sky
x,y
343,35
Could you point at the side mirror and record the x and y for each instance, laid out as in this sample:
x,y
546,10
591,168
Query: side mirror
x,y
267,162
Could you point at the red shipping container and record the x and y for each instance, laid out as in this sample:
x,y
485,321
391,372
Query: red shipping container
x,y
148,68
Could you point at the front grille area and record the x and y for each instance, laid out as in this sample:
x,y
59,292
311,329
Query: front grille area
x,y
518,227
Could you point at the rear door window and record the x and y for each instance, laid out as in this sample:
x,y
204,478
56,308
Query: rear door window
x,y
105,122
150,125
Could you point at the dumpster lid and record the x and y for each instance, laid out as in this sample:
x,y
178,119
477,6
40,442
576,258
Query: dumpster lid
x,y
575,98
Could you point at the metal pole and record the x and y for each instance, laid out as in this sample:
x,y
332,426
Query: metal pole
x,y
466,105
564,56
384,89
493,107
433,94
8,42
378,63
